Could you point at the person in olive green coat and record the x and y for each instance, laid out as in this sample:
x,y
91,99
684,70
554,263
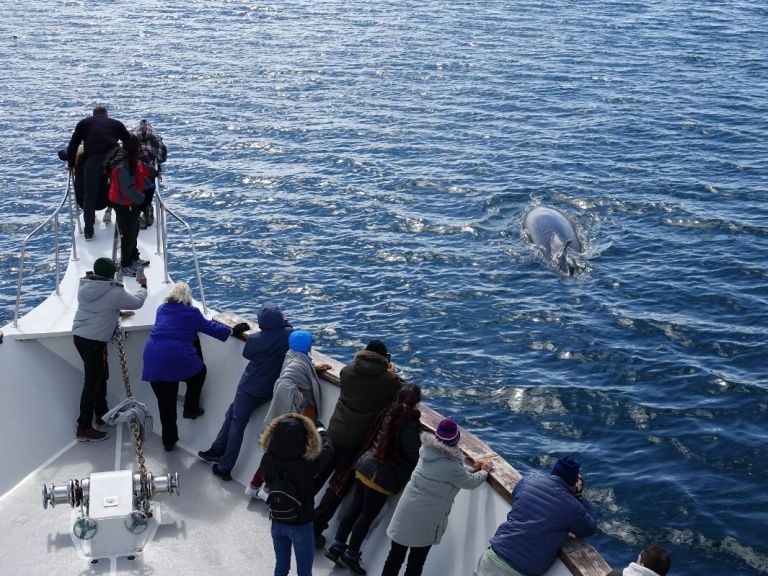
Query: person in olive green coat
x,y
421,515
368,386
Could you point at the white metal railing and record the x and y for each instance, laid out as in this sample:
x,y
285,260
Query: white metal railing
x,y
162,241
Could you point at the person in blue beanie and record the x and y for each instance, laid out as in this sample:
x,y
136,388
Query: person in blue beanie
x,y
265,350
544,509
296,391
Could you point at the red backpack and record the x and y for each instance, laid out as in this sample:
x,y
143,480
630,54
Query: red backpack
x,y
120,197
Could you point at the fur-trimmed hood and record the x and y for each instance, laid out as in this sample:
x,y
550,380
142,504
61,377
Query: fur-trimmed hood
x,y
368,362
291,436
432,449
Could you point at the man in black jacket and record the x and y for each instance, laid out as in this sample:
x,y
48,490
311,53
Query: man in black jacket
x,y
99,134
368,386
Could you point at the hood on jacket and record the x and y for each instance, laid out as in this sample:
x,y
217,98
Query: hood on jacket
x,y
368,363
270,316
635,569
291,436
145,131
433,449
93,287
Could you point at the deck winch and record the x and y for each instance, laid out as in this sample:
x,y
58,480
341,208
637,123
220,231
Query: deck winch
x,y
114,512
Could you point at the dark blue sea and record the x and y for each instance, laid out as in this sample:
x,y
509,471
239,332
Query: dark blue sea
x,y
367,164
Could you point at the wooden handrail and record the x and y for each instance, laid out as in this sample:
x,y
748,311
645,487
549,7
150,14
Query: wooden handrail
x,y
578,555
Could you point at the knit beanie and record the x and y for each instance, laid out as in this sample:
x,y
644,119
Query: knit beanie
x,y
448,432
377,346
567,468
104,267
300,341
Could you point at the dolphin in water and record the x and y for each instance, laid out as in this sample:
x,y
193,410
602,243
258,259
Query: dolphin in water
x,y
553,232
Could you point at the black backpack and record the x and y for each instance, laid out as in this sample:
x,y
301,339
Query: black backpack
x,y
284,500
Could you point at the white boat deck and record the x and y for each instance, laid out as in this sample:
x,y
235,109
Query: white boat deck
x,y
211,527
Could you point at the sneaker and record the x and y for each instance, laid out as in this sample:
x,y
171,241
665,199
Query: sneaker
x,y
140,262
252,492
169,447
91,435
223,474
334,553
100,424
88,236
129,271
351,561
107,216
262,494
149,212
210,455
192,414
142,222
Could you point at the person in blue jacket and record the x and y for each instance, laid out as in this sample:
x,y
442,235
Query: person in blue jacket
x,y
265,351
544,509
173,353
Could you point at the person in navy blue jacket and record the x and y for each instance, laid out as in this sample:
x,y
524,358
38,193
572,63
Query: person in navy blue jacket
x,y
99,134
544,509
265,351
173,353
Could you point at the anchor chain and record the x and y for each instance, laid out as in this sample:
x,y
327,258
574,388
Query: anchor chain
x,y
117,337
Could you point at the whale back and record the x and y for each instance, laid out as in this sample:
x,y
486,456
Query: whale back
x,y
550,229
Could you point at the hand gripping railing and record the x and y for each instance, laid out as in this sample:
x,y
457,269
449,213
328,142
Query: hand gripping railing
x,y
55,218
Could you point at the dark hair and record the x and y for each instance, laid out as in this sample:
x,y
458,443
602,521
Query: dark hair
x,y
99,111
132,147
655,558
385,431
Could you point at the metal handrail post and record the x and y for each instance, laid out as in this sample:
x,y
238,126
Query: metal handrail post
x,y
56,252
72,218
167,278
158,205
23,255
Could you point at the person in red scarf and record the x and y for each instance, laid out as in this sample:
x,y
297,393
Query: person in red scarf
x,y
381,471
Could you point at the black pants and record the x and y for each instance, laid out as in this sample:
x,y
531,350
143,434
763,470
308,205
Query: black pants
x,y
93,400
93,174
362,511
128,225
341,464
396,557
166,393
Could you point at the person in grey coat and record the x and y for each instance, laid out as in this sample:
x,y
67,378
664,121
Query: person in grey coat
x,y
421,515
99,301
297,389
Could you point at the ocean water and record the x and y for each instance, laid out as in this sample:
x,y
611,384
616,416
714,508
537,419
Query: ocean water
x,y
368,164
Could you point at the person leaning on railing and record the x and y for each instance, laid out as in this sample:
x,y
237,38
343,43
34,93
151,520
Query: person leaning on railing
x,y
99,302
544,509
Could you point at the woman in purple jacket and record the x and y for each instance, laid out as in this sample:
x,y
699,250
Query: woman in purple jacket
x,y
173,353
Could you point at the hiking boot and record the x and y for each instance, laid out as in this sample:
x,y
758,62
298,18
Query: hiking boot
x,y
140,262
334,553
192,414
225,475
91,435
149,213
107,216
129,270
142,222
210,455
351,561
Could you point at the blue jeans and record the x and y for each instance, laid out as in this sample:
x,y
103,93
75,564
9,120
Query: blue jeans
x,y
230,437
302,537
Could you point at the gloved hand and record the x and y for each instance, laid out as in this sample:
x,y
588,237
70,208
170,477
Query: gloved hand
x,y
239,329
